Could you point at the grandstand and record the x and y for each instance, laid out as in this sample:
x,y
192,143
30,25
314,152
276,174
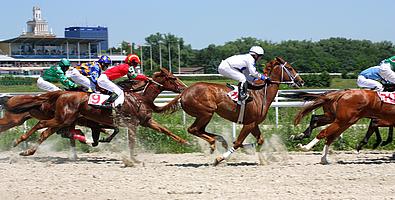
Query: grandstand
x,y
37,49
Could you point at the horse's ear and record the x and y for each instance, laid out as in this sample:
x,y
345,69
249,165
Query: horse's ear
x,y
280,60
164,70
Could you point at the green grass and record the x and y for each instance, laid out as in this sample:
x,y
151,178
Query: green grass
x,y
159,143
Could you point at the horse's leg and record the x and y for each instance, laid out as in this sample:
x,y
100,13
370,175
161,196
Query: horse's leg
x,y
73,150
315,121
132,142
198,127
378,137
238,143
27,135
44,135
332,132
109,138
389,137
368,134
158,127
258,136
10,120
95,135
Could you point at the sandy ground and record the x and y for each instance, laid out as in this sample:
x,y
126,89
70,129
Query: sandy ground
x,y
52,175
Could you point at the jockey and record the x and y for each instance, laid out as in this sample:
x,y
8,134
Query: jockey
x,y
373,77
87,74
56,73
113,73
242,68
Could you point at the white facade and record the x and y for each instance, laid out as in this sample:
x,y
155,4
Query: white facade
x,y
37,27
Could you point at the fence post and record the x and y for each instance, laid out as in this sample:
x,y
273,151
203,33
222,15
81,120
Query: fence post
x,y
276,99
184,118
233,131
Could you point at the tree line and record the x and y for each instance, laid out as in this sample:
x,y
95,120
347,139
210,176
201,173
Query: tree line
x,y
339,55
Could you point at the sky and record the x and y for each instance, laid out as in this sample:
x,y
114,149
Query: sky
x,y
204,22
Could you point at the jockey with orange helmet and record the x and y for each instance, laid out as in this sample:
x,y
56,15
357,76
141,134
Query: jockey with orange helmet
x,y
113,73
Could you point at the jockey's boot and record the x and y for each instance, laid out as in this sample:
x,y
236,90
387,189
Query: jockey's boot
x,y
110,100
243,94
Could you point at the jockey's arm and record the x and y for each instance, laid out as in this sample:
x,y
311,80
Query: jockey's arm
x,y
254,73
132,75
387,73
65,81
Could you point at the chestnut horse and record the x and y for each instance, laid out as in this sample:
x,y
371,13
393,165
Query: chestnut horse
x,y
137,109
347,107
329,116
201,100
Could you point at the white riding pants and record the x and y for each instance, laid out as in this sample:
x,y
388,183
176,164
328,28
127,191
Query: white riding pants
x,y
225,69
369,83
45,85
78,78
107,84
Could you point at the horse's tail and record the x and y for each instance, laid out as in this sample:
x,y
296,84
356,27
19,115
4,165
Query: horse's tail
x,y
24,103
319,101
170,107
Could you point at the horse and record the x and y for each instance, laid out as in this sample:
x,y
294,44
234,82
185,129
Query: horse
x,y
329,116
201,100
45,111
136,110
348,106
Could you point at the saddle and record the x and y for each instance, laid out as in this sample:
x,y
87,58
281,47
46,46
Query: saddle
x,y
234,93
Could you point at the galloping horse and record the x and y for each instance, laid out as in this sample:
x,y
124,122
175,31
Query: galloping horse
x,y
346,108
137,109
201,100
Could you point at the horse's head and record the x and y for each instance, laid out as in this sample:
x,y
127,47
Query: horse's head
x,y
282,72
168,81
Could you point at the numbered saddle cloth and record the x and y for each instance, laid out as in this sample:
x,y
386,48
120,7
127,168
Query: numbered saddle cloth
x,y
234,94
387,97
98,99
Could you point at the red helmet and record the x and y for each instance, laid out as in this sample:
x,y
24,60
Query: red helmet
x,y
132,58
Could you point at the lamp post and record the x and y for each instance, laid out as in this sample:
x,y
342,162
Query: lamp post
x,y
150,54
160,55
169,57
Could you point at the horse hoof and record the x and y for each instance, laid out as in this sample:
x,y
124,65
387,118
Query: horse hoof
x,y
302,147
15,143
292,137
25,153
217,161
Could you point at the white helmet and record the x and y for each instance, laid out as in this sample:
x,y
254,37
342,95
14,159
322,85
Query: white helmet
x,y
257,50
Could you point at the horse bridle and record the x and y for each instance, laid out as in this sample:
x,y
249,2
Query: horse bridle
x,y
293,78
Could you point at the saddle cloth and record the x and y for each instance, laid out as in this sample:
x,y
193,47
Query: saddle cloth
x,y
234,94
387,97
97,99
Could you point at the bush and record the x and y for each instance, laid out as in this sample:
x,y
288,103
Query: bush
x,y
322,80
12,80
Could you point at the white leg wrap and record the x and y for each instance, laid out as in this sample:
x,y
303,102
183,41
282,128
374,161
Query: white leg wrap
x,y
324,159
227,154
311,144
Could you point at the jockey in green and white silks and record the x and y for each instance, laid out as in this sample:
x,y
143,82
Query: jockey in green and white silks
x,y
56,73
373,77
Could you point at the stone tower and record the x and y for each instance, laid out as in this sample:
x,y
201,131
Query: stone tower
x,y
37,27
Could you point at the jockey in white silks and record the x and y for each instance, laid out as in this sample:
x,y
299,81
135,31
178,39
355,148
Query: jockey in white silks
x,y
242,69
373,77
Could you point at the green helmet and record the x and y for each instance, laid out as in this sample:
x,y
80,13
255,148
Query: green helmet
x,y
391,61
64,63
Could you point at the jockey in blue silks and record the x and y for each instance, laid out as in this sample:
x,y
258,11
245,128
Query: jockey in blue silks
x,y
374,77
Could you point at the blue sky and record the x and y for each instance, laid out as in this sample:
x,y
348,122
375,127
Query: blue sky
x,y
205,22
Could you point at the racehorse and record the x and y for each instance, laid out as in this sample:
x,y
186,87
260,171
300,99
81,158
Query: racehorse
x,y
45,111
329,116
348,106
201,100
137,109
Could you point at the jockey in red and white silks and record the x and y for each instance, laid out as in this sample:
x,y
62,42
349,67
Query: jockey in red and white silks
x,y
113,73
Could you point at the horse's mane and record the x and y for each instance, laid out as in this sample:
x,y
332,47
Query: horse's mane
x,y
132,85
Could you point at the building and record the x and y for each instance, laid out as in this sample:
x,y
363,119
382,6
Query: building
x,y
37,27
98,33
37,48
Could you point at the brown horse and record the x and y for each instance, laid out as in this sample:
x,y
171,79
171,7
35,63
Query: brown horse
x,y
137,109
201,100
347,107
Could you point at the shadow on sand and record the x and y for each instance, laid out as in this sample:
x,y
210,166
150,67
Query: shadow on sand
x,y
63,160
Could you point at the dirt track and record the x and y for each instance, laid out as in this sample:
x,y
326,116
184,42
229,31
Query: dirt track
x,y
191,176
